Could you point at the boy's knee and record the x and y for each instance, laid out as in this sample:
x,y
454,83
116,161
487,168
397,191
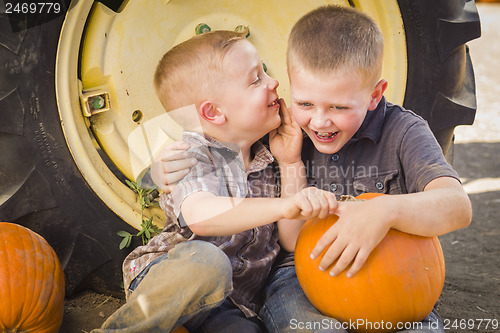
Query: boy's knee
x,y
209,260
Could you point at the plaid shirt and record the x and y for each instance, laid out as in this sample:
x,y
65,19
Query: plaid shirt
x,y
220,171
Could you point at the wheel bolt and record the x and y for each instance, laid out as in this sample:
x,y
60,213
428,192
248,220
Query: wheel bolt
x,y
202,28
244,30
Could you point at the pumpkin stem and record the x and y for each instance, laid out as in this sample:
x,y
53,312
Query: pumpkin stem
x,y
344,198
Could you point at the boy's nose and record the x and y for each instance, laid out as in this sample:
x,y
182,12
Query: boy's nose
x,y
273,83
320,121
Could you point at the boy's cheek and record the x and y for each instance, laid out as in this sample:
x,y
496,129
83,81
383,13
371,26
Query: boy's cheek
x,y
300,118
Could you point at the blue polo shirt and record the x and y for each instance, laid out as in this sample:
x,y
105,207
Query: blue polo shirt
x,y
393,152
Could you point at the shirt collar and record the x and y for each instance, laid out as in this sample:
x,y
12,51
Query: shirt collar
x,y
262,155
371,128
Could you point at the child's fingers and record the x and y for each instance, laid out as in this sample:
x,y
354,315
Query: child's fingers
x,y
344,260
284,112
317,201
303,203
177,145
324,209
331,254
324,241
174,177
360,260
332,202
168,173
180,163
174,150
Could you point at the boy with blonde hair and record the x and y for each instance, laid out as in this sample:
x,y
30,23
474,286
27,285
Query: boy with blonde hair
x,y
356,142
225,220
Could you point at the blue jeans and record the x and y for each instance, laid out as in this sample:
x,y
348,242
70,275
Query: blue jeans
x,y
287,309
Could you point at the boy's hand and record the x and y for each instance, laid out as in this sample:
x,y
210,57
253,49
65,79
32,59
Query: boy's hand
x,y
360,228
285,142
309,203
171,165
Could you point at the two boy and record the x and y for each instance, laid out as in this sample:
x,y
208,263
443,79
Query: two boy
x,y
206,270
356,142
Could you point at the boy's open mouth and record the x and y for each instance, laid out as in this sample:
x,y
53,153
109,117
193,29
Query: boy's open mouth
x,y
273,103
325,135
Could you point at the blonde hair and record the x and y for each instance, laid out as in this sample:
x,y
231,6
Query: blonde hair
x,y
333,38
193,70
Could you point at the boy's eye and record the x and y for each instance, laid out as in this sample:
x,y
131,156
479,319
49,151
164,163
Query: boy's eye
x,y
338,107
305,104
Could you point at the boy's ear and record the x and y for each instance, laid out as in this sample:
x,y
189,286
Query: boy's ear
x,y
209,111
377,94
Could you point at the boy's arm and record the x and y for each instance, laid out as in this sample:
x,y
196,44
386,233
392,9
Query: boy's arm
x,y
286,145
442,207
293,180
209,215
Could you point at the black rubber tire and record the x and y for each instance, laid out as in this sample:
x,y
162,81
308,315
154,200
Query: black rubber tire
x,y
440,85
42,188
40,185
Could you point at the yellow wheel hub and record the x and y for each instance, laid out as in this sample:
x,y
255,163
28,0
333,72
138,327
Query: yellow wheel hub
x,y
106,62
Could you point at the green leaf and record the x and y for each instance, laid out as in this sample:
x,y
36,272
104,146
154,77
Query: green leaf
x,y
125,242
122,233
132,185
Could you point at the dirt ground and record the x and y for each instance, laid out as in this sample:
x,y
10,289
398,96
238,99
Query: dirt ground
x,y
472,287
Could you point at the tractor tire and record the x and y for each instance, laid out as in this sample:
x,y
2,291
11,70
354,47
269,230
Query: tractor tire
x,y
43,188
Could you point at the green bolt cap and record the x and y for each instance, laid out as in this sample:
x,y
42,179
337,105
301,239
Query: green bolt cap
x,y
202,28
98,102
243,30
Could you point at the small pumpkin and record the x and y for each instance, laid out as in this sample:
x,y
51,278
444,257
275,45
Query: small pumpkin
x,y
400,282
31,282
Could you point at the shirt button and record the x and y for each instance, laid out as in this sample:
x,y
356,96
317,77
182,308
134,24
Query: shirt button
x,y
335,157
333,187
379,186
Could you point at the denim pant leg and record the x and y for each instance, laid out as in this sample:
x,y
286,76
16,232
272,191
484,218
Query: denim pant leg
x,y
196,277
431,324
287,309
226,318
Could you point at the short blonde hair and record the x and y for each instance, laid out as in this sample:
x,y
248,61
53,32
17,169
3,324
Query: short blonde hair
x,y
332,38
193,69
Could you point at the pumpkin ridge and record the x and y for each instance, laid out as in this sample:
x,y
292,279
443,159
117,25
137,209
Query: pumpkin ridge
x,y
403,262
3,280
30,265
380,294
30,268
14,320
429,283
42,301
54,297
441,261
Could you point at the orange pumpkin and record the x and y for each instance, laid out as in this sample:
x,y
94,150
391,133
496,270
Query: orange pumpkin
x,y
399,283
31,282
